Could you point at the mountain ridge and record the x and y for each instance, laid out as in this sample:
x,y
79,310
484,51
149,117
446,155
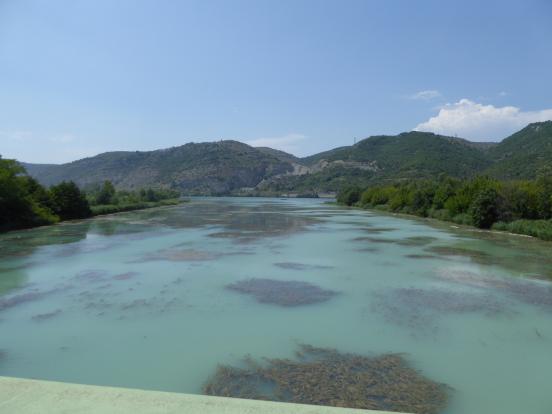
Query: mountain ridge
x,y
232,167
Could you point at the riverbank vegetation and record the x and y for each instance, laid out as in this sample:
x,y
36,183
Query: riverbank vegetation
x,y
523,207
24,203
104,199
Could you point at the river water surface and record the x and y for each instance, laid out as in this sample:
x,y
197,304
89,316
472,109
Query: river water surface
x,y
142,299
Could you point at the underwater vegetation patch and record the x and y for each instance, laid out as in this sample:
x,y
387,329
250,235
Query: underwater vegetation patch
x,y
282,293
327,377
532,292
416,241
407,241
477,256
367,250
10,302
180,255
91,276
22,243
421,256
301,266
45,316
531,265
375,230
125,276
374,240
418,309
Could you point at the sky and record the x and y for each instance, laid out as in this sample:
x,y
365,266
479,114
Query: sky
x,y
78,78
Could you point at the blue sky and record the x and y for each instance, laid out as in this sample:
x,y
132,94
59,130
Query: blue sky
x,y
82,77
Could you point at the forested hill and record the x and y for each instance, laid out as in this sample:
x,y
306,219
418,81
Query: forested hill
x,y
230,167
204,168
523,154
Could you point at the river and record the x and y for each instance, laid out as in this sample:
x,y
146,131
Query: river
x,y
142,299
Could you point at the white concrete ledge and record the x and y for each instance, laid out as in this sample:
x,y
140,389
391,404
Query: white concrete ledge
x,y
23,396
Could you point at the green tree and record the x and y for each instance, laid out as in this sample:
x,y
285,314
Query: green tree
x,y
23,202
69,202
349,196
485,208
106,193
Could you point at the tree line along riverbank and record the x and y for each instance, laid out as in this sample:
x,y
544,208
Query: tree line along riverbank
x,y
520,206
25,203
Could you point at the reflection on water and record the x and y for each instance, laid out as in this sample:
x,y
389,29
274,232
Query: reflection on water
x,y
151,299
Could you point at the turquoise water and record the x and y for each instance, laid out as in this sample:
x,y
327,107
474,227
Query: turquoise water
x,y
139,299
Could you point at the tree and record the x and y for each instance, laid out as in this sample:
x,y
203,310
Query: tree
x,y
106,194
349,196
69,202
23,202
484,209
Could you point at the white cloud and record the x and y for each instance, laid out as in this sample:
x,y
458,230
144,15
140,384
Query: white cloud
x,y
425,95
479,122
287,143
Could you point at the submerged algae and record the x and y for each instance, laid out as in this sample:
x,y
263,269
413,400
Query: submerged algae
x,y
301,266
327,377
283,293
532,292
418,309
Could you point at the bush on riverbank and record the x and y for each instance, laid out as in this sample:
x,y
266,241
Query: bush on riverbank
x,y
523,207
541,229
119,208
104,199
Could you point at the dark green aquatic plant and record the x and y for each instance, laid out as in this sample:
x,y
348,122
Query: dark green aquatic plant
x,y
327,377
282,292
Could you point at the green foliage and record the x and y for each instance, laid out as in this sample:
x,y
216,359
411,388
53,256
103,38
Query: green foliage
x,y
118,208
349,196
121,200
525,154
536,228
480,201
23,202
484,209
106,193
69,202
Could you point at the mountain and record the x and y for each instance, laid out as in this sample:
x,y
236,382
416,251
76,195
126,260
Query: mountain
x,y
231,167
404,156
204,168
523,154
